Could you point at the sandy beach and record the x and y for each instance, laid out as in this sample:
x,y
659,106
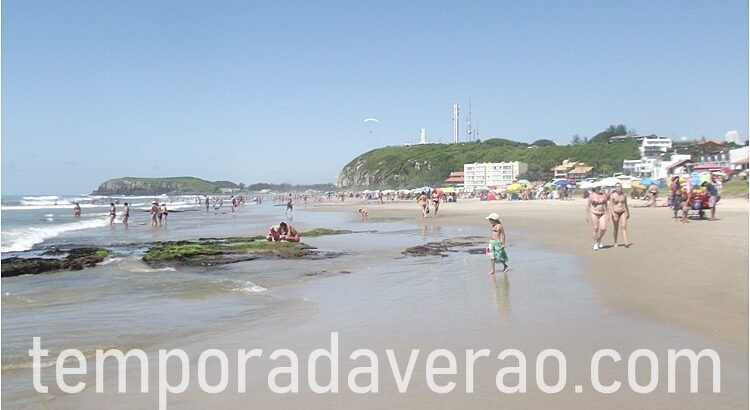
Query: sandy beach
x,y
693,276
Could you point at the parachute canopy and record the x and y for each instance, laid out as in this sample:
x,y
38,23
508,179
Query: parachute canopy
x,y
375,120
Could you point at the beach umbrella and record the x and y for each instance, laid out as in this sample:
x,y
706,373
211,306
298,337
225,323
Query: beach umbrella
x,y
514,187
561,182
524,182
647,181
610,181
448,190
547,185
586,185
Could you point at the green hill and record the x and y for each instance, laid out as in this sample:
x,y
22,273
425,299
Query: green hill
x,y
430,164
158,186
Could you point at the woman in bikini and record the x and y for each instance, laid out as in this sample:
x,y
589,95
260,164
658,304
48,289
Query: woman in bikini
x,y
618,203
423,205
596,214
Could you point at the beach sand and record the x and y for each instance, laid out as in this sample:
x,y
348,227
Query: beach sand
x,y
693,276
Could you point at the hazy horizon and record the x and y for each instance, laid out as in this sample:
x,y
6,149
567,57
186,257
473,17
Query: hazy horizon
x,y
278,92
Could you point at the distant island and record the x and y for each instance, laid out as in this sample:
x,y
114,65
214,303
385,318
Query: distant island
x,y
193,186
158,186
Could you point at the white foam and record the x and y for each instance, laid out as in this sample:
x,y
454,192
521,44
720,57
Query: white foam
x,y
249,287
22,239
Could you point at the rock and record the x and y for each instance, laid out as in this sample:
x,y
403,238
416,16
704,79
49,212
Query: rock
x,y
76,259
220,251
442,248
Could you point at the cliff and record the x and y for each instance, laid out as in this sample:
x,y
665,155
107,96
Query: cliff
x,y
158,186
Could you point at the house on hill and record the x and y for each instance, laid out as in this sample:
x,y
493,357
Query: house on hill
x,y
563,170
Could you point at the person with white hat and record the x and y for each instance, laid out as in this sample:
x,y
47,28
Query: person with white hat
x,y
496,248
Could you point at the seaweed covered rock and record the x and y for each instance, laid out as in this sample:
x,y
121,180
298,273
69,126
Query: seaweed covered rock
x,y
219,251
74,259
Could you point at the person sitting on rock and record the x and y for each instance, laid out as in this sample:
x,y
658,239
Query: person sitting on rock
x,y
288,233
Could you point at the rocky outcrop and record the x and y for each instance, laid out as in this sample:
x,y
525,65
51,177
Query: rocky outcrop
x,y
464,244
74,259
158,186
213,251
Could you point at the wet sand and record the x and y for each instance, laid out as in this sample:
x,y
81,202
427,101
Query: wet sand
x,y
693,276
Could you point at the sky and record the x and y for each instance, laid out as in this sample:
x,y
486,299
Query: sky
x,y
277,91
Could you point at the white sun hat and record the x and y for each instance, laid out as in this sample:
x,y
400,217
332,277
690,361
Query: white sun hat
x,y
494,216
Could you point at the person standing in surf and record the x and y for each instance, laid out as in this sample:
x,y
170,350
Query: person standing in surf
x,y
496,247
112,213
125,214
154,212
77,211
163,213
596,214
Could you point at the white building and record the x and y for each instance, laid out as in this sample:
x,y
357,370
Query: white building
x,y
653,168
655,146
737,156
492,173
422,136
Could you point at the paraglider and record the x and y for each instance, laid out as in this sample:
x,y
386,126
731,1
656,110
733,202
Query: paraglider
x,y
371,123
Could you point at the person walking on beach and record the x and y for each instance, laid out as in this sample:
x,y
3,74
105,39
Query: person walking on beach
x,y
207,202
496,247
112,213
653,190
596,214
77,211
289,206
423,205
437,198
618,203
154,212
713,195
125,214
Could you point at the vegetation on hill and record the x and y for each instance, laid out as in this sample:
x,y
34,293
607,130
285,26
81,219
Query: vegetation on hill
x,y
430,164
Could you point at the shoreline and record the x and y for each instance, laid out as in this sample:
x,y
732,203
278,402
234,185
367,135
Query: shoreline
x,y
671,274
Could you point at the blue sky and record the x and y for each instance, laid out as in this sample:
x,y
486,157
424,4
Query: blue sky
x,y
277,91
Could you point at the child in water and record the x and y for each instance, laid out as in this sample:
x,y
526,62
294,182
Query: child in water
x,y
496,248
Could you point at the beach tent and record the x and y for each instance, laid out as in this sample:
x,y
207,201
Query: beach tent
x,y
448,190
647,181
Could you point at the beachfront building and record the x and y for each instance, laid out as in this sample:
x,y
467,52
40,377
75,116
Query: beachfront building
x,y
492,173
455,178
563,170
654,168
655,146
739,158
